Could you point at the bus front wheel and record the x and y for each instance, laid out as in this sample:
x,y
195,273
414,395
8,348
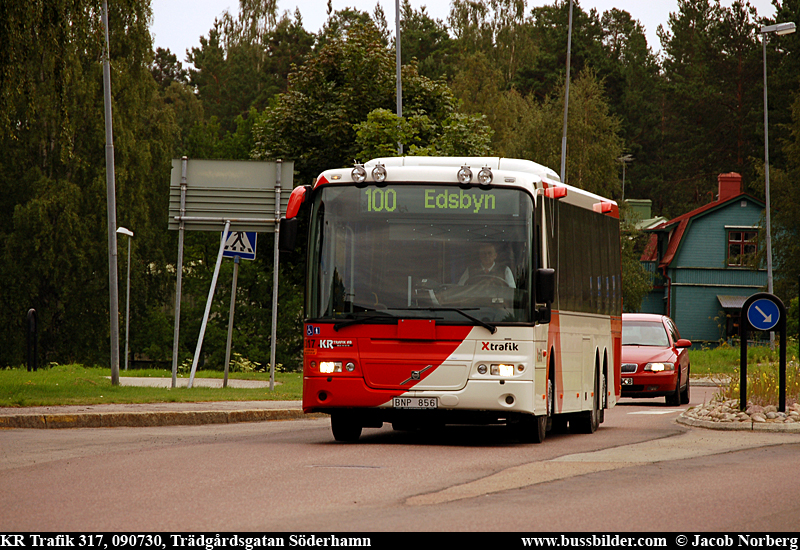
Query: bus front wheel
x,y
345,427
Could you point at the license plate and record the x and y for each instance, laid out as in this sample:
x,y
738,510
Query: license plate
x,y
415,402
627,381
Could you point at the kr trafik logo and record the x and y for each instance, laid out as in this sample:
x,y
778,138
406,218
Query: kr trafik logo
x,y
499,346
330,344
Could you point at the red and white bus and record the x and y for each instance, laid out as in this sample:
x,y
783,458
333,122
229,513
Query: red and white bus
x,y
459,290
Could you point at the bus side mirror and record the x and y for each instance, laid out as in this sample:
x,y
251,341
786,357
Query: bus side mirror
x,y
288,234
545,293
288,225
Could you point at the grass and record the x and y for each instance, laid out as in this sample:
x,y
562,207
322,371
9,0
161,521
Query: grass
x,y
724,359
763,378
79,385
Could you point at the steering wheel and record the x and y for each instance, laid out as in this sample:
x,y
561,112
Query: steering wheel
x,y
487,279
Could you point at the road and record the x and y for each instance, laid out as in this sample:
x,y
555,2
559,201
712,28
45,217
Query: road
x,y
640,472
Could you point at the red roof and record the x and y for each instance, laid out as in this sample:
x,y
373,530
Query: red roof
x,y
650,253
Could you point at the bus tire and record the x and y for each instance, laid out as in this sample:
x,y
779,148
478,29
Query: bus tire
x,y
531,429
587,422
345,428
603,399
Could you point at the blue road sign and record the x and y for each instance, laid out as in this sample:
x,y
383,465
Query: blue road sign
x,y
242,244
763,314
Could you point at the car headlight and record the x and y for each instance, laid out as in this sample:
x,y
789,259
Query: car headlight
x,y
659,367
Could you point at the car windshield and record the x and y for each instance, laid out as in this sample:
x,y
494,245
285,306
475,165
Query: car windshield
x,y
644,333
422,251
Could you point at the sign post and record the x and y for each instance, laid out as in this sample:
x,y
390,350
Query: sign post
x,y
245,198
764,312
239,246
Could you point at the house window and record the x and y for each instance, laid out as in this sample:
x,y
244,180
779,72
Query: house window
x,y
742,247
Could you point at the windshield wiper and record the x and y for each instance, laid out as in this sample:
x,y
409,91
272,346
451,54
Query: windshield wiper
x,y
358,320
484,324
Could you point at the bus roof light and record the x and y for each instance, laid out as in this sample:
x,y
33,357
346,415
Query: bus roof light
x,y
606,207
359,173
555,192
464,175
485,176
379,173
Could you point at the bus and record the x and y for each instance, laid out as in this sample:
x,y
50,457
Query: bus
x,y
458,291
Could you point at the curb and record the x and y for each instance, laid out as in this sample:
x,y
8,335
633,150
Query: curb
x,y
149,419
740,426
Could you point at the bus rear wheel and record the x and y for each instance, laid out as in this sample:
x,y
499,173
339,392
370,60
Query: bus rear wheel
x,y
589,421
345,427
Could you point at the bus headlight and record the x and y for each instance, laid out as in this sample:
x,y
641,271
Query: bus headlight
x,y
502,369
327,367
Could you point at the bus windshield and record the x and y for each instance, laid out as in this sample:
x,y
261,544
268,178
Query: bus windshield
x,y
460,256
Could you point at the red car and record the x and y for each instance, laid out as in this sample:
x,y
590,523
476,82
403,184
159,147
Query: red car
x,y
655,359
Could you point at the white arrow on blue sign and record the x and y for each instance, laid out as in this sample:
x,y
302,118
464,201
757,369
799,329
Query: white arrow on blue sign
x,y
763,314
242,244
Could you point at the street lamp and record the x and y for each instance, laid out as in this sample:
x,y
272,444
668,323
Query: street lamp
x,y
566,101
624,159
129,233
780,29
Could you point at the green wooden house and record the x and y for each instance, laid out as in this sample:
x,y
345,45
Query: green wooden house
x,y
704,264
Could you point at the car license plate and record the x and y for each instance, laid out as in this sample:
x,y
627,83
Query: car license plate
x,y
627,381
415,402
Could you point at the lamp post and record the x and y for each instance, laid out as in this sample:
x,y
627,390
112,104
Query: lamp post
x,y
624,159
129,233
566,102
779,29
399,84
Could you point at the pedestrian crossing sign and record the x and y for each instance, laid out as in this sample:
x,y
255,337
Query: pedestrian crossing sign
x,y
240,243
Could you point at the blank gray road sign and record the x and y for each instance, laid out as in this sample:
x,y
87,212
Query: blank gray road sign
x,y
229,189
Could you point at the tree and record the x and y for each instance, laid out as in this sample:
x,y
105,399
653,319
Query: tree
x,y
634,88
593,144
167,69
352,75
542,73
712,70
426,40
636,282
53,227
785,210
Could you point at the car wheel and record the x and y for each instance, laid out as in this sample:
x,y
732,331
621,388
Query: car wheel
x,y
589,421
685,392
674,399
344,427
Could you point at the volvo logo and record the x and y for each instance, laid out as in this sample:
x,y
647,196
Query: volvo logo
x,y
416,375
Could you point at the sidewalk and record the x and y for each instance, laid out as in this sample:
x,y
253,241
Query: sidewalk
x,y
154,414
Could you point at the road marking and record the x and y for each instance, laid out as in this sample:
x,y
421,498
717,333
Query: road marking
x,y
690,444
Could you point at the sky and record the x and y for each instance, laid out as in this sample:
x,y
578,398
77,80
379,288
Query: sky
x,y
178,24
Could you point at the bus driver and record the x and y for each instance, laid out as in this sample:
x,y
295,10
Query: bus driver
x,y
488,269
